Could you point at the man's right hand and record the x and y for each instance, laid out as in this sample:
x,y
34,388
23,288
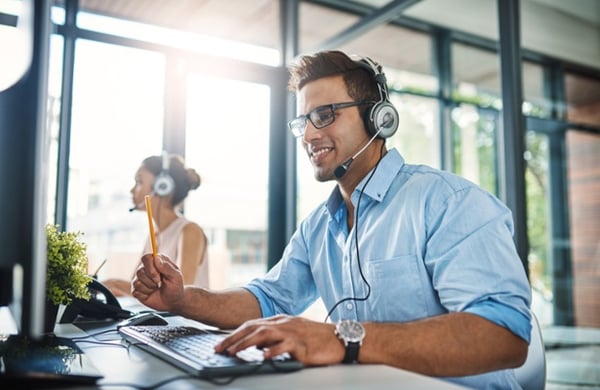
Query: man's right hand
x,y
158,283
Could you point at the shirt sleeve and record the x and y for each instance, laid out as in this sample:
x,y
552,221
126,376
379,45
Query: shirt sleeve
x,y
473,261
505,316
289,287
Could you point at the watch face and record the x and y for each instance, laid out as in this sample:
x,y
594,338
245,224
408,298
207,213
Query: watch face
x,y
351,331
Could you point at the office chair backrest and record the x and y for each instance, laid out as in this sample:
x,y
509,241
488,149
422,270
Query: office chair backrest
x,y
532,374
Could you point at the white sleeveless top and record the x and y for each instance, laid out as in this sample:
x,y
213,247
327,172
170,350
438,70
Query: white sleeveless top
x,y
169,243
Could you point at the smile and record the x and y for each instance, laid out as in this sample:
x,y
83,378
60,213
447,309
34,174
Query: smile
x,y
318,152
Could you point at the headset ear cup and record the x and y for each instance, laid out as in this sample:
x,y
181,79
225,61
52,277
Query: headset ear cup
x,y
163,184
369,125
383,118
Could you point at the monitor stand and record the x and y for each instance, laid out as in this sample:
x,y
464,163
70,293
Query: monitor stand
x,y
49,362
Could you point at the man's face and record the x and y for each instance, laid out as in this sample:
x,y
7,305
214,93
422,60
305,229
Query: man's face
x,y
329,147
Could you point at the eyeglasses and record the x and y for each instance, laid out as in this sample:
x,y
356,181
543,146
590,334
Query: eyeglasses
x,y
320,117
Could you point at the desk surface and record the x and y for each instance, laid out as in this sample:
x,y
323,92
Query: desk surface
x,y
120,365
125,367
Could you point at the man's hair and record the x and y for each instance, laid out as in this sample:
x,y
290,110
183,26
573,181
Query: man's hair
x,y
360,81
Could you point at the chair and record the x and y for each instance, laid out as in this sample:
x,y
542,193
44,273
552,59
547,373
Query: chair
x,y
532,374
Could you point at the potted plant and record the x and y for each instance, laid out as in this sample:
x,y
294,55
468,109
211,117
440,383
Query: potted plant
x,y
67,271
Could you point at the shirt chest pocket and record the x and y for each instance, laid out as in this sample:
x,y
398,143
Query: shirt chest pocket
x,y
398,289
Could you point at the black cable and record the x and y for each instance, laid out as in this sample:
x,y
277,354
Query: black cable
x,y
362,190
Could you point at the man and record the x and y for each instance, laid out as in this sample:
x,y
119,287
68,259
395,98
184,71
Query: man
x,y
419,263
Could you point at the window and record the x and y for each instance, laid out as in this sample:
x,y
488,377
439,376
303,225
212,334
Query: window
x,y
476,76
418,136
474,146
117,118
583,178
227,142
583,99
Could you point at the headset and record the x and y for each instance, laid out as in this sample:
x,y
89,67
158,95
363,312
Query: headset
x,y
382,119
164,183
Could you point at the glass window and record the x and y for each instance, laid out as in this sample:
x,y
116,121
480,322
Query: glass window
x,y
583,99
474,146
564,248
330,22
236,29
536,103
418,135
539,210
476,76
117,118
227,142
583,178
57,12
403,72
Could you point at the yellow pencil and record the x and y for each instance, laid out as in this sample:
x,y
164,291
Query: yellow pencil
x,y
151,225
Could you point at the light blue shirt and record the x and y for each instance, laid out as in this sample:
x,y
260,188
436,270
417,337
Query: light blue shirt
x,y
429,243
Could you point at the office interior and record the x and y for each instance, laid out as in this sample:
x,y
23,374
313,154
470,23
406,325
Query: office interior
x,y
503,92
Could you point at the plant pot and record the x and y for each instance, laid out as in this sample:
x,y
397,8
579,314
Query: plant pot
x,y
50,317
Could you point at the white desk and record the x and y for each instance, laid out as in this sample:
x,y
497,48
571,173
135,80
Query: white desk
x,y
134,366
121,365
572,355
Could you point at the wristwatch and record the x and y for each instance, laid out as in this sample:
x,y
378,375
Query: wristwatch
x,y
352,334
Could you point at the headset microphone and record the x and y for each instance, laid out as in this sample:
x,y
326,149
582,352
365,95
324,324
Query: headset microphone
x,y
342,169
135,207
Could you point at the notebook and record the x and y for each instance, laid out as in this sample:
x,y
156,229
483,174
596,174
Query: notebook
x,y
191,349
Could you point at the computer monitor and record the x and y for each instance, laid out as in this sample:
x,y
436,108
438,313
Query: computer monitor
x,y
30,358
24,144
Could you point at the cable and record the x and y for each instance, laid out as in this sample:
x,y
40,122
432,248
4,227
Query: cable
x,y
360,299
93,335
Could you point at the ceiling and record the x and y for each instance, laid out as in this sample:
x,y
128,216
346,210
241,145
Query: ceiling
x,y
568,30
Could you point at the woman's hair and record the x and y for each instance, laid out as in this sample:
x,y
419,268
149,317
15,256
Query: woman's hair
x,y
359,81
185,179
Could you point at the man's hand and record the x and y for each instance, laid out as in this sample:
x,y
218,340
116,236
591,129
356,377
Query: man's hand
x,y
312,343
158,283
118,287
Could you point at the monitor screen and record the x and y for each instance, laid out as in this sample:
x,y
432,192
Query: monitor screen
x,y
24,142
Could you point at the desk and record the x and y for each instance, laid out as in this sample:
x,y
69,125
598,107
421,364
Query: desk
x,y
134,366
572,355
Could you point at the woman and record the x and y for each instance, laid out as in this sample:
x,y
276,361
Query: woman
x,y
168,182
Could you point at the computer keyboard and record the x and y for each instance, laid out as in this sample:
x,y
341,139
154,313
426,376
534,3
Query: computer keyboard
x,y
198,343
192,349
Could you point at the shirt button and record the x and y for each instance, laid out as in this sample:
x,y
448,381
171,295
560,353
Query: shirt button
x,y
349,306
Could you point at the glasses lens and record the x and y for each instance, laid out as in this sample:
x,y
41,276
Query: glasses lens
x,y
297,126
322,116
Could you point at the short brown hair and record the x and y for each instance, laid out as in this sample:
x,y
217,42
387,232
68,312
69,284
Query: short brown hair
x,y
360,82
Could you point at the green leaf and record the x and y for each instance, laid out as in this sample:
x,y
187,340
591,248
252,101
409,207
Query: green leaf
x,y
67,267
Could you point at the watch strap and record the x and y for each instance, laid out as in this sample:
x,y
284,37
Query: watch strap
x,y
351,356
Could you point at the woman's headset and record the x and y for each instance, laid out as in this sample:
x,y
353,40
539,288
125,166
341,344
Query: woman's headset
x,y
163,182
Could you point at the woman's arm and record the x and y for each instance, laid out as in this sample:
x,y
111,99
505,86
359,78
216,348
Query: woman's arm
x,y
193,248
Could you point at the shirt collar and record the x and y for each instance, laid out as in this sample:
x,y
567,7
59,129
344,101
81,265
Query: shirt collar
x,y
377,187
